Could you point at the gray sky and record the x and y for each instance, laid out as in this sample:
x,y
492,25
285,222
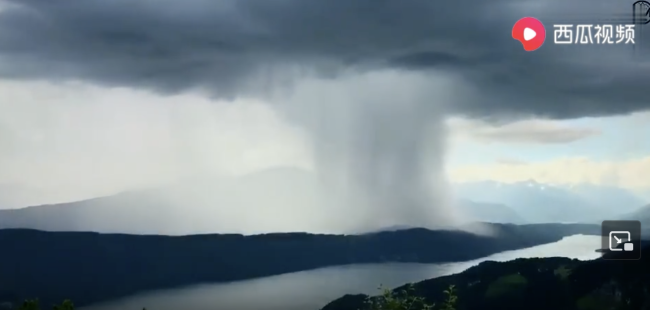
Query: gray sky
x,y
249,47
103,96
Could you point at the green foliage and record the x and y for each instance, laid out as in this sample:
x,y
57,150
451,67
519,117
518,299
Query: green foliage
x,y
402,300
452,298
509,284
591,302
66,305
563,272
30,304
407,300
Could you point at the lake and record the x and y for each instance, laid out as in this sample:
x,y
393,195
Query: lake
x,y
313,289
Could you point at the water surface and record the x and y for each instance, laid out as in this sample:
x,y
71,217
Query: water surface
x,y
311,290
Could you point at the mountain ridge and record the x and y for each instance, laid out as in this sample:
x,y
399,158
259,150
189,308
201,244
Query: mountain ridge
x,y
535,284
90,267
538,202
224,205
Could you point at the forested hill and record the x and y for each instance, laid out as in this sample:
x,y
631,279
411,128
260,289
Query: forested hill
x,y
537,284
93,267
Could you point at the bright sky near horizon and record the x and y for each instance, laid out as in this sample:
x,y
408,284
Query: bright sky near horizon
x,y
606,150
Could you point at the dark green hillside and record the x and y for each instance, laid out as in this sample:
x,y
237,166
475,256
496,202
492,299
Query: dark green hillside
x,y
538,284
92,267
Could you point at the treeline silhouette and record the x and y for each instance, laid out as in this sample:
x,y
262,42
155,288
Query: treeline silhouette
x,y
90,267
537,284
522,284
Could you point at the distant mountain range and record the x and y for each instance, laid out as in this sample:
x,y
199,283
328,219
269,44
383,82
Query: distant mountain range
x,y
289,199
642,214
256,203
250,204
537,203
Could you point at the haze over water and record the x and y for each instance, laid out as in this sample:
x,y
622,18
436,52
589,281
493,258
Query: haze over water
x,y
313,289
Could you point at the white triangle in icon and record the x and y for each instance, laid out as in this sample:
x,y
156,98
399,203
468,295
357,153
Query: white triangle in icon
x,y
529,34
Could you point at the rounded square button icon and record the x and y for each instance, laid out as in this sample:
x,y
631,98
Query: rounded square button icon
x,y
621,240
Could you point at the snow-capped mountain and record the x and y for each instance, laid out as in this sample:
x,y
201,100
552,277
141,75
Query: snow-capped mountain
x,y
539,202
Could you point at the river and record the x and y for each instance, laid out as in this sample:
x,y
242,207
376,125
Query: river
x,y
312,289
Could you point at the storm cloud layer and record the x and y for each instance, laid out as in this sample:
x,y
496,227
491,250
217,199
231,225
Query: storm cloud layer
x,y
233,47
371,80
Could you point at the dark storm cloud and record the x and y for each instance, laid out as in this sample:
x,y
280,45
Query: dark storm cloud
x,y
236,47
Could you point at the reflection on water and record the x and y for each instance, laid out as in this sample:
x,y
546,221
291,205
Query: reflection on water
x,y
310,290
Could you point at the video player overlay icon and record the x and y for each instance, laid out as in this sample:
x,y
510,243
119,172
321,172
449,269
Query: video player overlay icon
x,y
641,12
621,240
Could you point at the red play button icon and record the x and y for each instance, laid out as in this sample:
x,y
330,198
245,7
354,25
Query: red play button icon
x,y
530,32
